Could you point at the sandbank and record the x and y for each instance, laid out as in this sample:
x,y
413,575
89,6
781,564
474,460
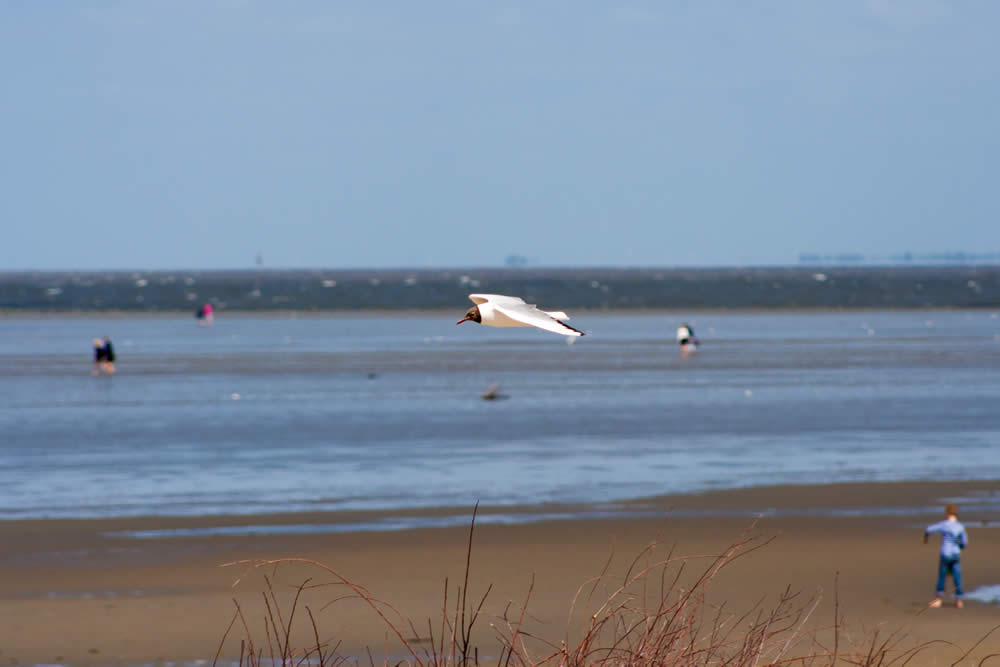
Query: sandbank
x,y
83,592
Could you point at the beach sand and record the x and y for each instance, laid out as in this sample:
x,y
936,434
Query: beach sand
x,y
73,594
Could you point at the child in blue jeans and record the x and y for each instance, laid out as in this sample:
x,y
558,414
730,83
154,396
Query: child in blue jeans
x,y
953,540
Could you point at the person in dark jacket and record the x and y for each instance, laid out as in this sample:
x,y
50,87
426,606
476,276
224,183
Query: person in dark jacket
x,y
109,357
99,357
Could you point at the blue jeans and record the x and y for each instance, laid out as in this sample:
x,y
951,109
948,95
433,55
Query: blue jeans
x,y
954,567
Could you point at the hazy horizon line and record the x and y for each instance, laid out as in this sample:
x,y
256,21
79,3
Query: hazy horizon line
x,y
524,268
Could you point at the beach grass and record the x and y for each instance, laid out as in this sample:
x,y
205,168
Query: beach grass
x,y
661,610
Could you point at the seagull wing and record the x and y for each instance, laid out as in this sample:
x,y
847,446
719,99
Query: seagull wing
x,y
497,299
526,313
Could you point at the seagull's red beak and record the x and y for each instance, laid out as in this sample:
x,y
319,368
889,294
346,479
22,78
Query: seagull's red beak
x,y
464,319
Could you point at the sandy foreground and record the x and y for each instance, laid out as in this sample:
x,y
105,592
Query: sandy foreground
x,y
70,593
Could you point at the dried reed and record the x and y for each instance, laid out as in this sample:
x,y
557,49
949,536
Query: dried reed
x,y
645,618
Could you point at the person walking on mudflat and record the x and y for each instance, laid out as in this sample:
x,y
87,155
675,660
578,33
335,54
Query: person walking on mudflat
x,y
100,356
953,540
109,357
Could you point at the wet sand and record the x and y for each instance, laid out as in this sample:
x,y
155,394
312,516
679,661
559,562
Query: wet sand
x,y
71,593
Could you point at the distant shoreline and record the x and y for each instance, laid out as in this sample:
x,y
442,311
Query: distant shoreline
x,y
902,501
819,266
39,313
582,289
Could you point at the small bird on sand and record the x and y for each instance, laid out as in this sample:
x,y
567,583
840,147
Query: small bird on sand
x,y
497,310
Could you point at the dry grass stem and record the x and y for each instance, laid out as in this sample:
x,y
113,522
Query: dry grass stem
x,y
659,612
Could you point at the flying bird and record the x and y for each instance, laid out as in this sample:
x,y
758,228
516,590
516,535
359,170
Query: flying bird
x,y
497,310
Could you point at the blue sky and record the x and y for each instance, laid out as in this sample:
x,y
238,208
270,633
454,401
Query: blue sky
x,y
328,134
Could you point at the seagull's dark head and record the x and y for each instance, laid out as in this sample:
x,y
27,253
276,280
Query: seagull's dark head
x,y
472,314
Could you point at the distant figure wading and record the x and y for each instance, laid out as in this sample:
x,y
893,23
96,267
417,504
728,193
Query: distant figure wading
x,y
205,315
104,357
686,339
953,540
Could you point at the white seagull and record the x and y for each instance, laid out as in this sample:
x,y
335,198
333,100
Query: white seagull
x,y
497,310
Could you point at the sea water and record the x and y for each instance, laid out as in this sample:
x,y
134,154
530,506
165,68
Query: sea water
x,y
283,413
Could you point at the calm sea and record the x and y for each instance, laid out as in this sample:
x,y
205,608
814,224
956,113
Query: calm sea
x,y
261,414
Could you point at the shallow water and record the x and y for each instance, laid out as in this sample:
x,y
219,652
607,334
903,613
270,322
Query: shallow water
x,y
988,594
261,414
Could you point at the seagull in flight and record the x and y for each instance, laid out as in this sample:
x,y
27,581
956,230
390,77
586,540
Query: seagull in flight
x,y
497,310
